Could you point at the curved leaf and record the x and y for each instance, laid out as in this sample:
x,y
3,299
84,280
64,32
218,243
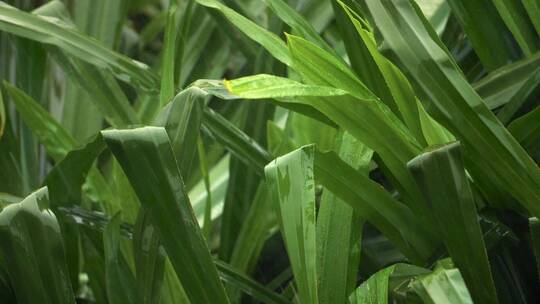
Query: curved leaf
x,y
146,157
76,44
32,247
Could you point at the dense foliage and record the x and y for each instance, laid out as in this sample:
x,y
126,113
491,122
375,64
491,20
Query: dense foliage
x,y
269,151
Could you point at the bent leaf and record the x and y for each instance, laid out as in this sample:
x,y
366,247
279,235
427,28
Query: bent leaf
x,y
146,156
31,245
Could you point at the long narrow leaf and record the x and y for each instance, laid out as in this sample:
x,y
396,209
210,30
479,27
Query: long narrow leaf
x,y
441,175
144,154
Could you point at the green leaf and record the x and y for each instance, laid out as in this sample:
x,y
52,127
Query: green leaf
x,y
181,118
534,230
58,143
441,175
67,177
532,7
490,147
298,24
369,199
249,286
102,90
268,40
291,181
146,157
76,44
484,29
149,260
368,120
41,123
515,17
235,140
397,87
376,289
119,280
499,87
526,130
33,250
336,226
521,99
169,52
374,204
442,286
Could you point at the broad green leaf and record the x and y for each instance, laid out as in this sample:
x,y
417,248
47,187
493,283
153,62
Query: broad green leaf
x,y
145,153
76,44
65,180
374,204
441,175
484,29
119,281
376,289
442,286
368,120
33,250
336,226
269,40
181,118
397,86
318,67
495,153
371,201
517,21
291,181
361,59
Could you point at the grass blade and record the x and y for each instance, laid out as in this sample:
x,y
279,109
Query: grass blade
x,y
119,280
441,175
76,44
336,224
149,260
485,30
456,105
291,181
146,153
269,40
515,17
